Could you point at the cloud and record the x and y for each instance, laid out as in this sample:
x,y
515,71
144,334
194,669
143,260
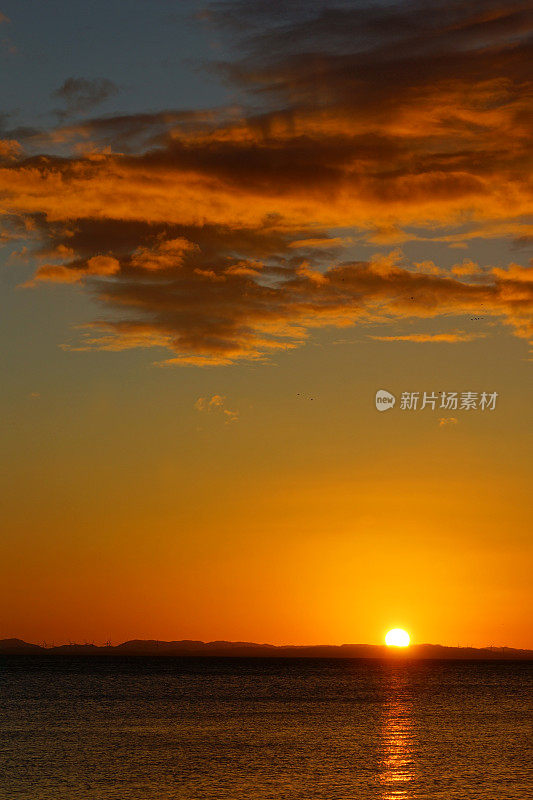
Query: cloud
x,y
326,243
82,94
430,337
10,150
388,234
227,234
307,272
514,272
429,267
75,271
216,403
208,403
166,255
251,314
468,267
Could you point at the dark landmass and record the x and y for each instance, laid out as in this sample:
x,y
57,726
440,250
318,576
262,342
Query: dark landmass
x,y
190,648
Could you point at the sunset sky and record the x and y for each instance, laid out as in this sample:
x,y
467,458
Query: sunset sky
x,y
224,226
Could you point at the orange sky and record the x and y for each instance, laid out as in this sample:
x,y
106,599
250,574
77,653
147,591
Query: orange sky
x,y
200,302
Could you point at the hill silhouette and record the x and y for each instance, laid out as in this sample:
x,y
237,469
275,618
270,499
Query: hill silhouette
x,y
192,648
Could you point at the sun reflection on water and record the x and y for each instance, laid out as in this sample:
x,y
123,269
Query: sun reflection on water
x,y
397,772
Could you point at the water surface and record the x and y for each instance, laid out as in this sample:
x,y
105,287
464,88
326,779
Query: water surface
x,y
114,728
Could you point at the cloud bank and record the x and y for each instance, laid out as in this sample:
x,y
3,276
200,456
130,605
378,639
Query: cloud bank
x,y
215,234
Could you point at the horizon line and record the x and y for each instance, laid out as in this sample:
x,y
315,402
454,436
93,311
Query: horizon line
x,y
48,645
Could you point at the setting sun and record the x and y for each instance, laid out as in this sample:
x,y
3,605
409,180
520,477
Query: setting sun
x,y
397,637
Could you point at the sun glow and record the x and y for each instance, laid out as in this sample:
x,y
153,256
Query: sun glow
x,y
397,637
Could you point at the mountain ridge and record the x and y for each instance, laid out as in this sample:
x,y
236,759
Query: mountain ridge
x,y
221,648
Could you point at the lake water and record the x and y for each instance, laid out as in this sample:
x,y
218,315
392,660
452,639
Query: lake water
x,y
299,729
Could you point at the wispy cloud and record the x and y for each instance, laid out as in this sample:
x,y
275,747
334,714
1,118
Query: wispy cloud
x,y
83,94
448,338
216,403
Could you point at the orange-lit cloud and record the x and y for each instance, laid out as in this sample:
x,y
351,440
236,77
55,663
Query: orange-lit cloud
x,y
468,267
325,243
10,150
430,337
214,232
74,272
217,403
514,272
225,316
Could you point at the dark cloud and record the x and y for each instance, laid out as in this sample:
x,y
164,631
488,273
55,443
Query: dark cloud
x,y
221,309
82,94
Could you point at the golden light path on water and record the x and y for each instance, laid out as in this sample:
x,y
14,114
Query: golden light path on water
x,y
397,768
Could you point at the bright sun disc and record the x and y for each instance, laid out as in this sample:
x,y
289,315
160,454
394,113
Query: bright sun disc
x,y
397,638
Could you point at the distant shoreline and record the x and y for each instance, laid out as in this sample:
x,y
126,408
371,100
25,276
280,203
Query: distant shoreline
x,y
220,649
